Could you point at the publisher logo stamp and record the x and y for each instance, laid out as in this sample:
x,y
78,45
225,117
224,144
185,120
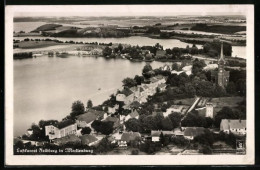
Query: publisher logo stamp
x,y
240,147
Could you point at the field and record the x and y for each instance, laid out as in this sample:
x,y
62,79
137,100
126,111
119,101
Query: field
x,y
188,101
227,101
36,44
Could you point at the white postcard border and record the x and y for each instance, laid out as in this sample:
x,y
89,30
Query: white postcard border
x,y
11,159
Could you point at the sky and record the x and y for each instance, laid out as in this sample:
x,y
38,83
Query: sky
x,y
127,10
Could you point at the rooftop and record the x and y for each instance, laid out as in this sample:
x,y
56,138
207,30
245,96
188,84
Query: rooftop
x,y
87,139
66,139
90,115
64,123
194,131
126,91
158,132
129,136
233,124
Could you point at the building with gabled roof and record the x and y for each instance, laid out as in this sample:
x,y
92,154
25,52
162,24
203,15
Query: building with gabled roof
x,y
85,120
236,126
115,120
88,140
130,136
133,114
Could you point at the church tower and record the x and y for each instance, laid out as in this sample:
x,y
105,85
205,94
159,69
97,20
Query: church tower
x,y
221,77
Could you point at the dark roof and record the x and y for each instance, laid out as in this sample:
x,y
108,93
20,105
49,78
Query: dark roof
x,y
129,136
162,85
135,104
64,123
194,131
158,133
126,92
87,139
90,116
66,139
113,119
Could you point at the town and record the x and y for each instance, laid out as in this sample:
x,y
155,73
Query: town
x,y
196,105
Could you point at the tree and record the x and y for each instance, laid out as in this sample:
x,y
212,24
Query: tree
x,y
193,120
148,122
231,87
133,125
85,130
104,146
105,127
158,46
197,66
89,104
209,122
206,150
77,108
175,119
129,82
175,66
139,79
107,51
120,47
161,138
167,124
147,68
225,113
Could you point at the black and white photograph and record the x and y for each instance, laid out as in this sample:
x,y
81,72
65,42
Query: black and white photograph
x,y
129,84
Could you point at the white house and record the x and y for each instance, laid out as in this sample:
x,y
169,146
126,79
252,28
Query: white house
x,y
235,126
61,129
156,134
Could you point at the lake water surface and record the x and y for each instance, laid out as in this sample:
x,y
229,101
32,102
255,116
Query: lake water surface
x,y
45,87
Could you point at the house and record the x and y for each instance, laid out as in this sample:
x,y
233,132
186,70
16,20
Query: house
x,y
67,139
162,86
235,126
166,68
156,134
97,51
135,105
178,132
130,136
126,96
89,140
115,120
191,132
122,144
133,114
176,72
174,108
29,132
113,109
117,136
85,120
61,129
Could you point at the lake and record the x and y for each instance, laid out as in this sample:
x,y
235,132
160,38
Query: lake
x,y
239,51
45,87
